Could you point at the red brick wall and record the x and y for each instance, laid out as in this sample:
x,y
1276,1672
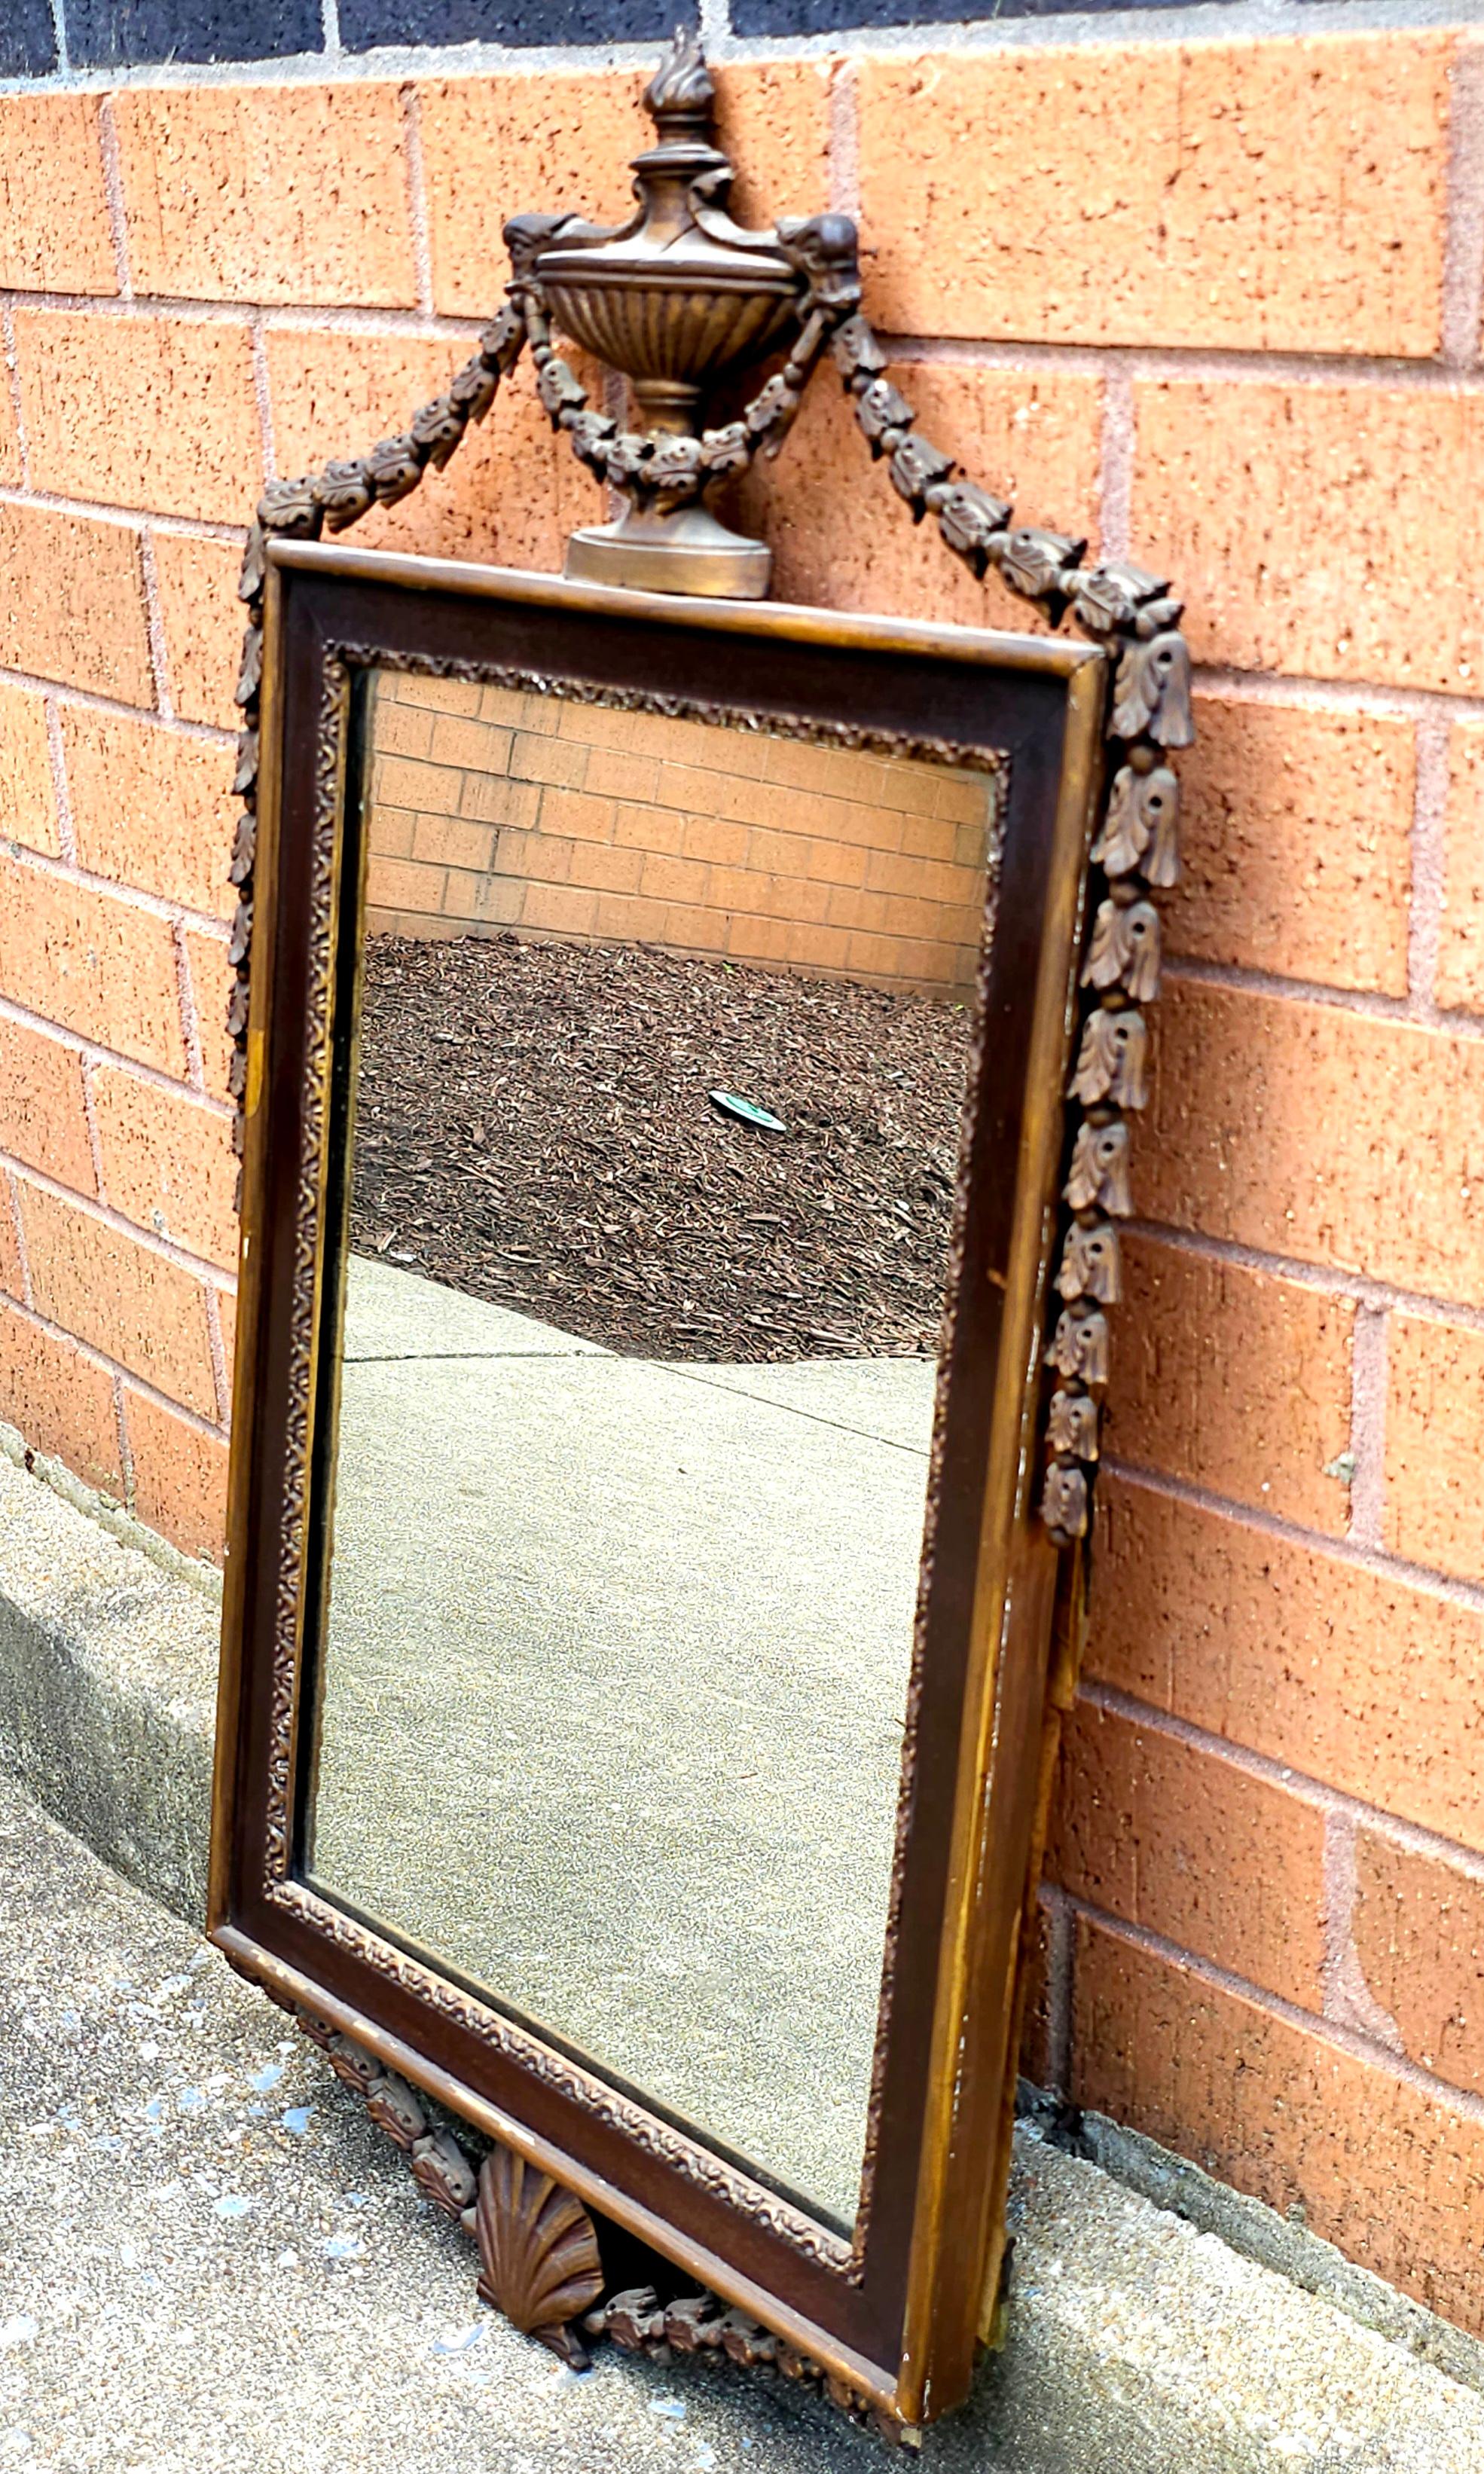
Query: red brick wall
x,y
1221,302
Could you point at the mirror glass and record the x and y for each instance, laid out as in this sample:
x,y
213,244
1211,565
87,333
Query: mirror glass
x,y
648,1145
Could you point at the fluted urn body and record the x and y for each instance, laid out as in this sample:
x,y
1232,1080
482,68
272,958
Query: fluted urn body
x,y
677,299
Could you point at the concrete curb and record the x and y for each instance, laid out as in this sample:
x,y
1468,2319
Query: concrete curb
x,y
1156,2329
108,1687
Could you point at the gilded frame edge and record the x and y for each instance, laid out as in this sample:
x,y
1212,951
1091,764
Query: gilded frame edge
x,y
929,2355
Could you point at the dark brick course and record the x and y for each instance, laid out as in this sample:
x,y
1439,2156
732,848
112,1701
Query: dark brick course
x,y
366,23
124,33
28,44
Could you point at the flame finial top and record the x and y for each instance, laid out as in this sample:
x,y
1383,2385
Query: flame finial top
x,y
681,88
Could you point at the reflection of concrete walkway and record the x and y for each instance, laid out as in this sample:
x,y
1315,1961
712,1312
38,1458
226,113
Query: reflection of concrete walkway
x,y
614,1695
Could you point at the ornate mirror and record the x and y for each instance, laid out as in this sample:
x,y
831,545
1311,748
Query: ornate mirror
x,y
686,1047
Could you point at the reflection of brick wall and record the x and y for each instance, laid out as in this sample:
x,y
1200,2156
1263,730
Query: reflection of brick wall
x,y
494,809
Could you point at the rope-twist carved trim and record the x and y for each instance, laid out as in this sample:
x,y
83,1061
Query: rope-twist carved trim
x,y
301,510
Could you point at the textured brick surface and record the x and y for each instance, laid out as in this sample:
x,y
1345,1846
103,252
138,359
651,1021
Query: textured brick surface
x,y
511,494
1030,436
151,807
1391,2175
167,1164
43,1117
1261,196
499,146
1233,1380
147,412
204,623
270,193
11,470
28,804
58,1399
1365,1682
122,1297
211,978
179,1476
1308,1130
54,215
96,965
72,602
1295,831
13,1278
1461,942
1435,1444
1419,1931
1164,1834
1300,522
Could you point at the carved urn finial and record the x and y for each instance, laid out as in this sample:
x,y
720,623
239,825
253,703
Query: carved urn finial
x,y
677,299
682,89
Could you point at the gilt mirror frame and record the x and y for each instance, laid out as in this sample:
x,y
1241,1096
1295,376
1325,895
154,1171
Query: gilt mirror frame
x,y
891,2320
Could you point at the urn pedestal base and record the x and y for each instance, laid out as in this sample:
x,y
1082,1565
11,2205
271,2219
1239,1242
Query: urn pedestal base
x,y
686,550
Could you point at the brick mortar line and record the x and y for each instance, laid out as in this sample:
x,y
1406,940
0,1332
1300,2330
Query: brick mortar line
x,y
1463,211
175,724
66,827
190,1018
843,154
95,1054
59,17
126,1468
326,317
119,1225
1368,1427
127,519
417,198
1118,447
262,396
1378,1561
1304,693
714,25
1308,2023
134,897
112,1366
22,1252
113,192
1214,363
1428,843
217,1345
1405,1011
329,29
1412,1836
1345,1996
1355,1288
12,382
1061,1974
94,1142
1413,373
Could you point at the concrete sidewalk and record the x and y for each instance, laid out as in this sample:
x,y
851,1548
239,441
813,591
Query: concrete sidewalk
x,y
615,1685
150,2322
211,2264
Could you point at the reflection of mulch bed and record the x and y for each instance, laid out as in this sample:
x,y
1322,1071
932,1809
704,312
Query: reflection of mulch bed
x,y
533,1126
